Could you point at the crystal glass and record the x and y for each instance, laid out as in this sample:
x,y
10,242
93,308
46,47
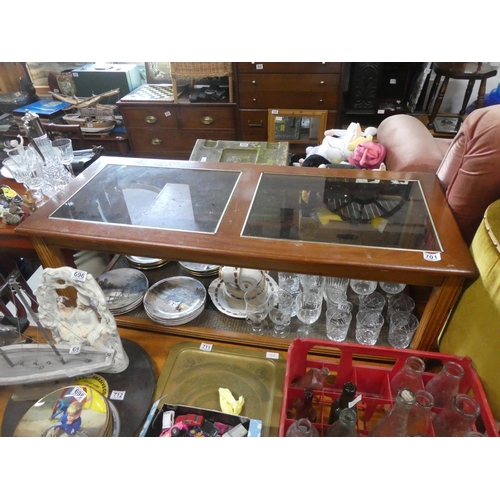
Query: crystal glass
x,y
312,283
374,302
308,306
337,324
65,149
402,327
362,287
280,312
445,384
334,295
290,282
340,283
456,419
391,288
257,308
399,302
368,327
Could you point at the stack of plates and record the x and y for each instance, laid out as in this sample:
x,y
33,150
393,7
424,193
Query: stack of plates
x,y
175,301
124,289
200,269
230,299
76,411
145,262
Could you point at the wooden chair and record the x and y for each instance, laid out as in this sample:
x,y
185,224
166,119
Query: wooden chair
x,y
459,71
197,70
73,132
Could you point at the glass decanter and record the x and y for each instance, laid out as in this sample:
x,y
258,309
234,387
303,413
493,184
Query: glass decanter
x,y
409,377
457,417
445,384
395,423
345,426
302,428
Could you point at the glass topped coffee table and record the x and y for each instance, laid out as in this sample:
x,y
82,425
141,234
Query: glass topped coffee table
x,y
350,223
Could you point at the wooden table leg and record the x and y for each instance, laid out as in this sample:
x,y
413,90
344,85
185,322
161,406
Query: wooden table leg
x,y
438,102
436,314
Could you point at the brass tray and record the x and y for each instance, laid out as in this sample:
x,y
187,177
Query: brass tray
x,y
192,376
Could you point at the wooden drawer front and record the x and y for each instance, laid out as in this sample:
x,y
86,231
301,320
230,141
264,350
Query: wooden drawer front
x,y
149,116
288,82
294,67
253,124
291,100
207,118
164,141
159,141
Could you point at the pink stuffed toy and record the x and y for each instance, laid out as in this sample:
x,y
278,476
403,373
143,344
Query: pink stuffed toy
x,y
368,155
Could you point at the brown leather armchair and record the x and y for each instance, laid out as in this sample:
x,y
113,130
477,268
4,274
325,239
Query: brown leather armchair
x,y
468,167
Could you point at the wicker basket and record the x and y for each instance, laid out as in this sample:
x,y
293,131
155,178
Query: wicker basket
x,y
197,70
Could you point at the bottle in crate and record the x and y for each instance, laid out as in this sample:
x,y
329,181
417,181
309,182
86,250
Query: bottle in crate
x,y
313,378
409,377
345,426
395,423
305,408
302,428
444,386
342,402
419,419
457,418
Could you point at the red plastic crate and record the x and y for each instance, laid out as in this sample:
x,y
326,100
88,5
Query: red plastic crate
x,y
371,368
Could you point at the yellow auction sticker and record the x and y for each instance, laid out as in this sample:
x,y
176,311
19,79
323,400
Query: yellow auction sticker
x,y
95,382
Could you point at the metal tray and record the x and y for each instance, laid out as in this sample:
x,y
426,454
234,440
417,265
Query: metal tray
x,y
192,376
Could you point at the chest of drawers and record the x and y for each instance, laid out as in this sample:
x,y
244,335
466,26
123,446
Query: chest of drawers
x,y
160,130
263,86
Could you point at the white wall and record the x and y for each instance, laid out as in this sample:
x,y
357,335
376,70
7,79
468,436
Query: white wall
x,y
452,102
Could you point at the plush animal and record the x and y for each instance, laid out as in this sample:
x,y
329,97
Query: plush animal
x,y
337,146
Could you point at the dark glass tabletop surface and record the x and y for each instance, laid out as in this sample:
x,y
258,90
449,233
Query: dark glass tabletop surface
x,y
180,199
379,212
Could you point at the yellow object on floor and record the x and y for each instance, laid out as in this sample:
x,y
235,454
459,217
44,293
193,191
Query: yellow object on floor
x,y
325,216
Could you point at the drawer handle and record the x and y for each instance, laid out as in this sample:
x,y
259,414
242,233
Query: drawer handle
x,y
156,141
321,100
207,120
254,99
321,82
150,119
255,124
254,82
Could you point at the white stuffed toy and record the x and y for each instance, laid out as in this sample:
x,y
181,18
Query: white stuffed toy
x,y
338,145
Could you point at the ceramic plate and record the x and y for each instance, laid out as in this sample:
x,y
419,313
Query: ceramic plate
x,y
49,414
233,306
175,299
123,288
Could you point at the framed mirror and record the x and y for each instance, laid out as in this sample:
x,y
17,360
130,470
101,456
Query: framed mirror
x,y
297,126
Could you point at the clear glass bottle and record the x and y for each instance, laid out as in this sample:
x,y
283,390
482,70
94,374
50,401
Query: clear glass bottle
x,y
395,423
313,378
342,402
419,419
345,426
409,377
302,428
456,419
445,384
306,409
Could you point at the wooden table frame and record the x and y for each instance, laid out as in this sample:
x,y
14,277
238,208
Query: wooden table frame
x,y
227,247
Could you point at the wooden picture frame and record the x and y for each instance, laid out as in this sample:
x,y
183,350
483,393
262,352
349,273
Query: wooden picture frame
x,y
297,126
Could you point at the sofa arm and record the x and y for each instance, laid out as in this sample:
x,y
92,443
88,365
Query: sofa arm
x,y
410,146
